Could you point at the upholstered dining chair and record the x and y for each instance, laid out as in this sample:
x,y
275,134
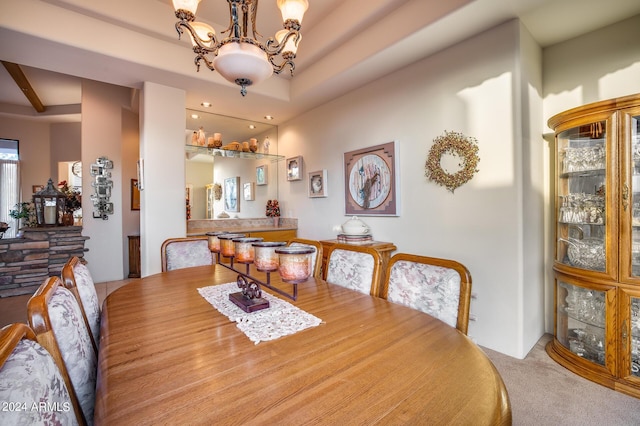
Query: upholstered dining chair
x,y
355,267
77,278
316,257
185,252
30,381
56,319
438,287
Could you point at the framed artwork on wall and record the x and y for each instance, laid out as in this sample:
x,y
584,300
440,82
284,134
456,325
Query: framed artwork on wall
x,y
261,175
135,195
294,168
36,188
371,181
249,191
232,194
318,184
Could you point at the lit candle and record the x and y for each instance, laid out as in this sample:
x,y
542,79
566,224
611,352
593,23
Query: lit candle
x,y
295,264
227,247
214,241
50,215
244,251
266,258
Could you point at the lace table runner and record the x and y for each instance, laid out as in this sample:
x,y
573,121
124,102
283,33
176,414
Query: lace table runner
x,y
279,319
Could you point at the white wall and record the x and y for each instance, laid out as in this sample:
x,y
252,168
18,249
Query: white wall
x,y
199,174
162,209
476,88
130,155
34,137
601,65
66,144
102,106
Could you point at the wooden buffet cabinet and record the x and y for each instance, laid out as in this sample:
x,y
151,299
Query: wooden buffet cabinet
x,y
597,259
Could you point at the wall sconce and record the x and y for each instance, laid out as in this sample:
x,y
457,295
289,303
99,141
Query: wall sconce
x,y
102,188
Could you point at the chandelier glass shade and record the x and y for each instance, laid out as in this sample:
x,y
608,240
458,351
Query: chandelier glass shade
x,y
240,58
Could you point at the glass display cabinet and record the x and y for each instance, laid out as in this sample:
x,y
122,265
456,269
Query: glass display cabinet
x,y
597,232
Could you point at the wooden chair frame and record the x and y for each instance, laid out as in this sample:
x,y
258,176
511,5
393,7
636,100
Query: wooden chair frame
x,y
10,336
167,242
464,302
317,268
40,323
69,281
377,263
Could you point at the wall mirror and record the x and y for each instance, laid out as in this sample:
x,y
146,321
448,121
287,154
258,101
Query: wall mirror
x,y
208,168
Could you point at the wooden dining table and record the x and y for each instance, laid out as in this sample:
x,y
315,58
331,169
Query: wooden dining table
x,y
167,356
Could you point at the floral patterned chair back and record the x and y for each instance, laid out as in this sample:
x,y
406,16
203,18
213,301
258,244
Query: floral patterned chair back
x,y
354,267
56,319
178,253
77,278
438,287
31,384
316,257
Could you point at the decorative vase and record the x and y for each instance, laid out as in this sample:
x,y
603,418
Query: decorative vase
x,y
67,219
276,221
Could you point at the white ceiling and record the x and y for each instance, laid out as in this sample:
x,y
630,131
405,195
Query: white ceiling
x,y
346,44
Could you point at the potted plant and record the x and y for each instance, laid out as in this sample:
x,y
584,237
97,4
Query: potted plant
x,y
72,202
24,214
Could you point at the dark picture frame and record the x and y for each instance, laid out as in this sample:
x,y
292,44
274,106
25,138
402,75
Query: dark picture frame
x,y
371,181
135,195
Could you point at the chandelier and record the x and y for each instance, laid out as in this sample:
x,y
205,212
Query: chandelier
x,y
241,59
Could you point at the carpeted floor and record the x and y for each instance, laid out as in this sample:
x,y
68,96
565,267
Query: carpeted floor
x,y
542,392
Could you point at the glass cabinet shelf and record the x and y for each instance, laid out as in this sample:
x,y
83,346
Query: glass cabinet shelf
x,y
216,152
585,173
581,321
635,336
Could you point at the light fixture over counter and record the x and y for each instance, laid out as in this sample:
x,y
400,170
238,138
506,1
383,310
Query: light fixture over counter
x,y
241,59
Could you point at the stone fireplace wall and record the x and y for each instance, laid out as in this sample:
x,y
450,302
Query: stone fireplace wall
x,y
42,252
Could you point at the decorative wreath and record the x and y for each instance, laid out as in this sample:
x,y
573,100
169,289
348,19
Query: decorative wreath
x,y
456,144
217,191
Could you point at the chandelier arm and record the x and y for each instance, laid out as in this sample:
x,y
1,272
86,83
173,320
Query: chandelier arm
x,y
200,56
277,68
196,38
254,11
272,47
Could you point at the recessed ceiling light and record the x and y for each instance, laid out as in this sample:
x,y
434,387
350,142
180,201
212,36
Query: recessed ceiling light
x,y
206,104
268,117
252,126
195,116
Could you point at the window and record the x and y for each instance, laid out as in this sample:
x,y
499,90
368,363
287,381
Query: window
x,y
9,183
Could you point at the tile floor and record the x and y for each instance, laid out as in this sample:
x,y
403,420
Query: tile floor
x,y
14,309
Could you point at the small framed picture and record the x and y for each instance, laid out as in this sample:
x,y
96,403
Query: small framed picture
x,y
249,191
135,195
294,168
37,188
232,194
261,175
318,184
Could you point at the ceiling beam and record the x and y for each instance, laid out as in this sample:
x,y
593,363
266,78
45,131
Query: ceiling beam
x,y
21,80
